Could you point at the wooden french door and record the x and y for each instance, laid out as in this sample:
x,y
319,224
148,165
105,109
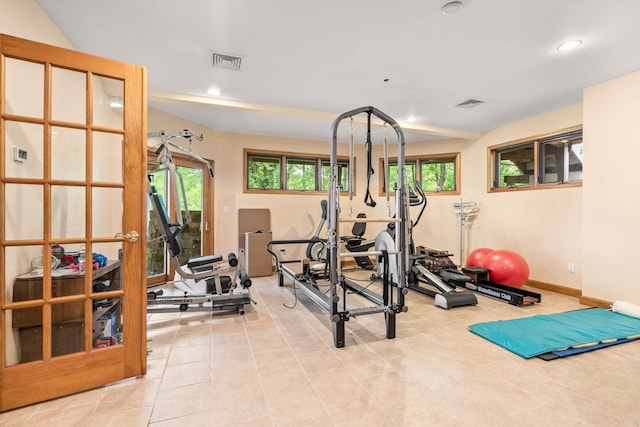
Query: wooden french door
x,y
72,272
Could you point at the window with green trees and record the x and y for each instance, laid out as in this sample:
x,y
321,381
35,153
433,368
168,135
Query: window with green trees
x,y
301,174
438,174
409,170
291,172
263,172
435,173
343,175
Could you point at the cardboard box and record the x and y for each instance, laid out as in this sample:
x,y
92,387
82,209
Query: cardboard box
x,y
258,261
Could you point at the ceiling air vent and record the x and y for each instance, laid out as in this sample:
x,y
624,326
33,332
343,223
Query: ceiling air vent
x,y
470,103
226,61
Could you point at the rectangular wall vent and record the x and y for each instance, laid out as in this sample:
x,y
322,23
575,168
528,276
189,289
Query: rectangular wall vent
x,y
226,61
470,103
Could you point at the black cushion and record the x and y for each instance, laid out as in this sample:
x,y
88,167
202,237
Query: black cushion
x,y
203,260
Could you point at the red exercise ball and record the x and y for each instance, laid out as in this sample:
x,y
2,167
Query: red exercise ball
x,y
476,256
507,268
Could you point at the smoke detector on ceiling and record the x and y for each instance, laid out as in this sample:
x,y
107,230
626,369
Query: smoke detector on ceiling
x,y
226,61
470,103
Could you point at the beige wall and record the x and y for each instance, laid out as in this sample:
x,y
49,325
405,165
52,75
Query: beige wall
x,y
544,226
26,19
611,207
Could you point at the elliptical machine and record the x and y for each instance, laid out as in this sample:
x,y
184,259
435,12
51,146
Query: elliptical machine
x,y
317,248
444,292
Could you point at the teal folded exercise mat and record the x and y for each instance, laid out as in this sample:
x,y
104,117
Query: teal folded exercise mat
x,y
532,336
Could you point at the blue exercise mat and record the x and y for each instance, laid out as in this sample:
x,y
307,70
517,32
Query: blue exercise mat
x,y
531,336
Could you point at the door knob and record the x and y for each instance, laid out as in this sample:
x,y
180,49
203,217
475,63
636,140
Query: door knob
x,y
131,236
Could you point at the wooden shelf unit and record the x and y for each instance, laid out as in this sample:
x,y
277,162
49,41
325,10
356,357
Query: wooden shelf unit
x,y
67,318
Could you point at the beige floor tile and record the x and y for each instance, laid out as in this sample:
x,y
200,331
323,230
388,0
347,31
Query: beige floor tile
x,y
276,366
267,341
302,405
422,411
281,358
91,397
235,375
278,382
194,353
136,417
231,405
62,415
129,394
186,374
307,344
18,417
201,419
155,367
159,347
181,401
319,361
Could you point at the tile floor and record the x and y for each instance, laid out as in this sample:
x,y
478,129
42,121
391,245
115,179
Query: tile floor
x,y
276,366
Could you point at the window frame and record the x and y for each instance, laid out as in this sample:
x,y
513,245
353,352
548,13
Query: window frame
x,y
417,162
284,157
493,155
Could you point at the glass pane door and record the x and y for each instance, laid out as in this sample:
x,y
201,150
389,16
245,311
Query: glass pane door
x,y
195,210
71,313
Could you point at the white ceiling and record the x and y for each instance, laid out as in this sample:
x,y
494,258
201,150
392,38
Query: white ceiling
x,y
304,62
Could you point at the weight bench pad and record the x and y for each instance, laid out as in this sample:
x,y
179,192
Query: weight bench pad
x,y
203,260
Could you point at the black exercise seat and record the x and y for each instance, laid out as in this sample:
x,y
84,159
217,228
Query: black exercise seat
x,y
357,231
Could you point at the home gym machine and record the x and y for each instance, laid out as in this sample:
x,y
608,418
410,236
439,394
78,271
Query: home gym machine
x,y
391,302
204,283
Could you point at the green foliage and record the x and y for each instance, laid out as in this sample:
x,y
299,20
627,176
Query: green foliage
x,y
343,175
438,176
301,175
264,173
192,180
409,178
507,169
435,175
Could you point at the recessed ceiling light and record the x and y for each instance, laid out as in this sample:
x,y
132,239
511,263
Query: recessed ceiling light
x,y
452,7
412,119
569,45
214,91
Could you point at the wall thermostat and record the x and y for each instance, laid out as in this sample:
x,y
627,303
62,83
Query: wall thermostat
x,y
20,154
